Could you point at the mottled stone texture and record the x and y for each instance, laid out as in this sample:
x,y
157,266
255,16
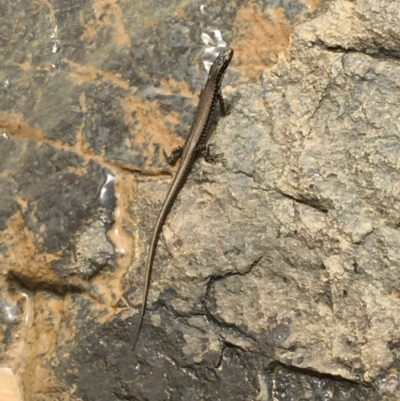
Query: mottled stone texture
x,y
277,275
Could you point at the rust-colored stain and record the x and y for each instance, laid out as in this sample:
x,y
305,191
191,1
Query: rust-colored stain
x,y
15,124
259,41
88,73
169,85
108,13
22,258
149,123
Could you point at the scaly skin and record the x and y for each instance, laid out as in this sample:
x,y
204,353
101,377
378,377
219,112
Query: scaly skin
x,y
209,97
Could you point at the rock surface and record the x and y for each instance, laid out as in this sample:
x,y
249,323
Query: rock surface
x,y
277,274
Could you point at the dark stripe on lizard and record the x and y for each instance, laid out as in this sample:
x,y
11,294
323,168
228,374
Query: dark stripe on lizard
x,y
209,97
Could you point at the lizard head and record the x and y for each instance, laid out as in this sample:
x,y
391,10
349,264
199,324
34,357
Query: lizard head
x,y
221,63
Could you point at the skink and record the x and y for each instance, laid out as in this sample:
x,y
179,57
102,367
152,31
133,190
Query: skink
x,y
209,97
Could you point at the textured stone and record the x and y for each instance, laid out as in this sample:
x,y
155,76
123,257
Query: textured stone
x,y
276,274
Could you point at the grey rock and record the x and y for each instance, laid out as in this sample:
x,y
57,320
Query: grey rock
x,y
276,274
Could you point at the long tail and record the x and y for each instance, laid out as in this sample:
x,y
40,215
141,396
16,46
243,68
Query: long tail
x,y
174,189
149,265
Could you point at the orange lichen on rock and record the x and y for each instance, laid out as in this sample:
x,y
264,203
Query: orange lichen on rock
x,y
22,259
259,40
